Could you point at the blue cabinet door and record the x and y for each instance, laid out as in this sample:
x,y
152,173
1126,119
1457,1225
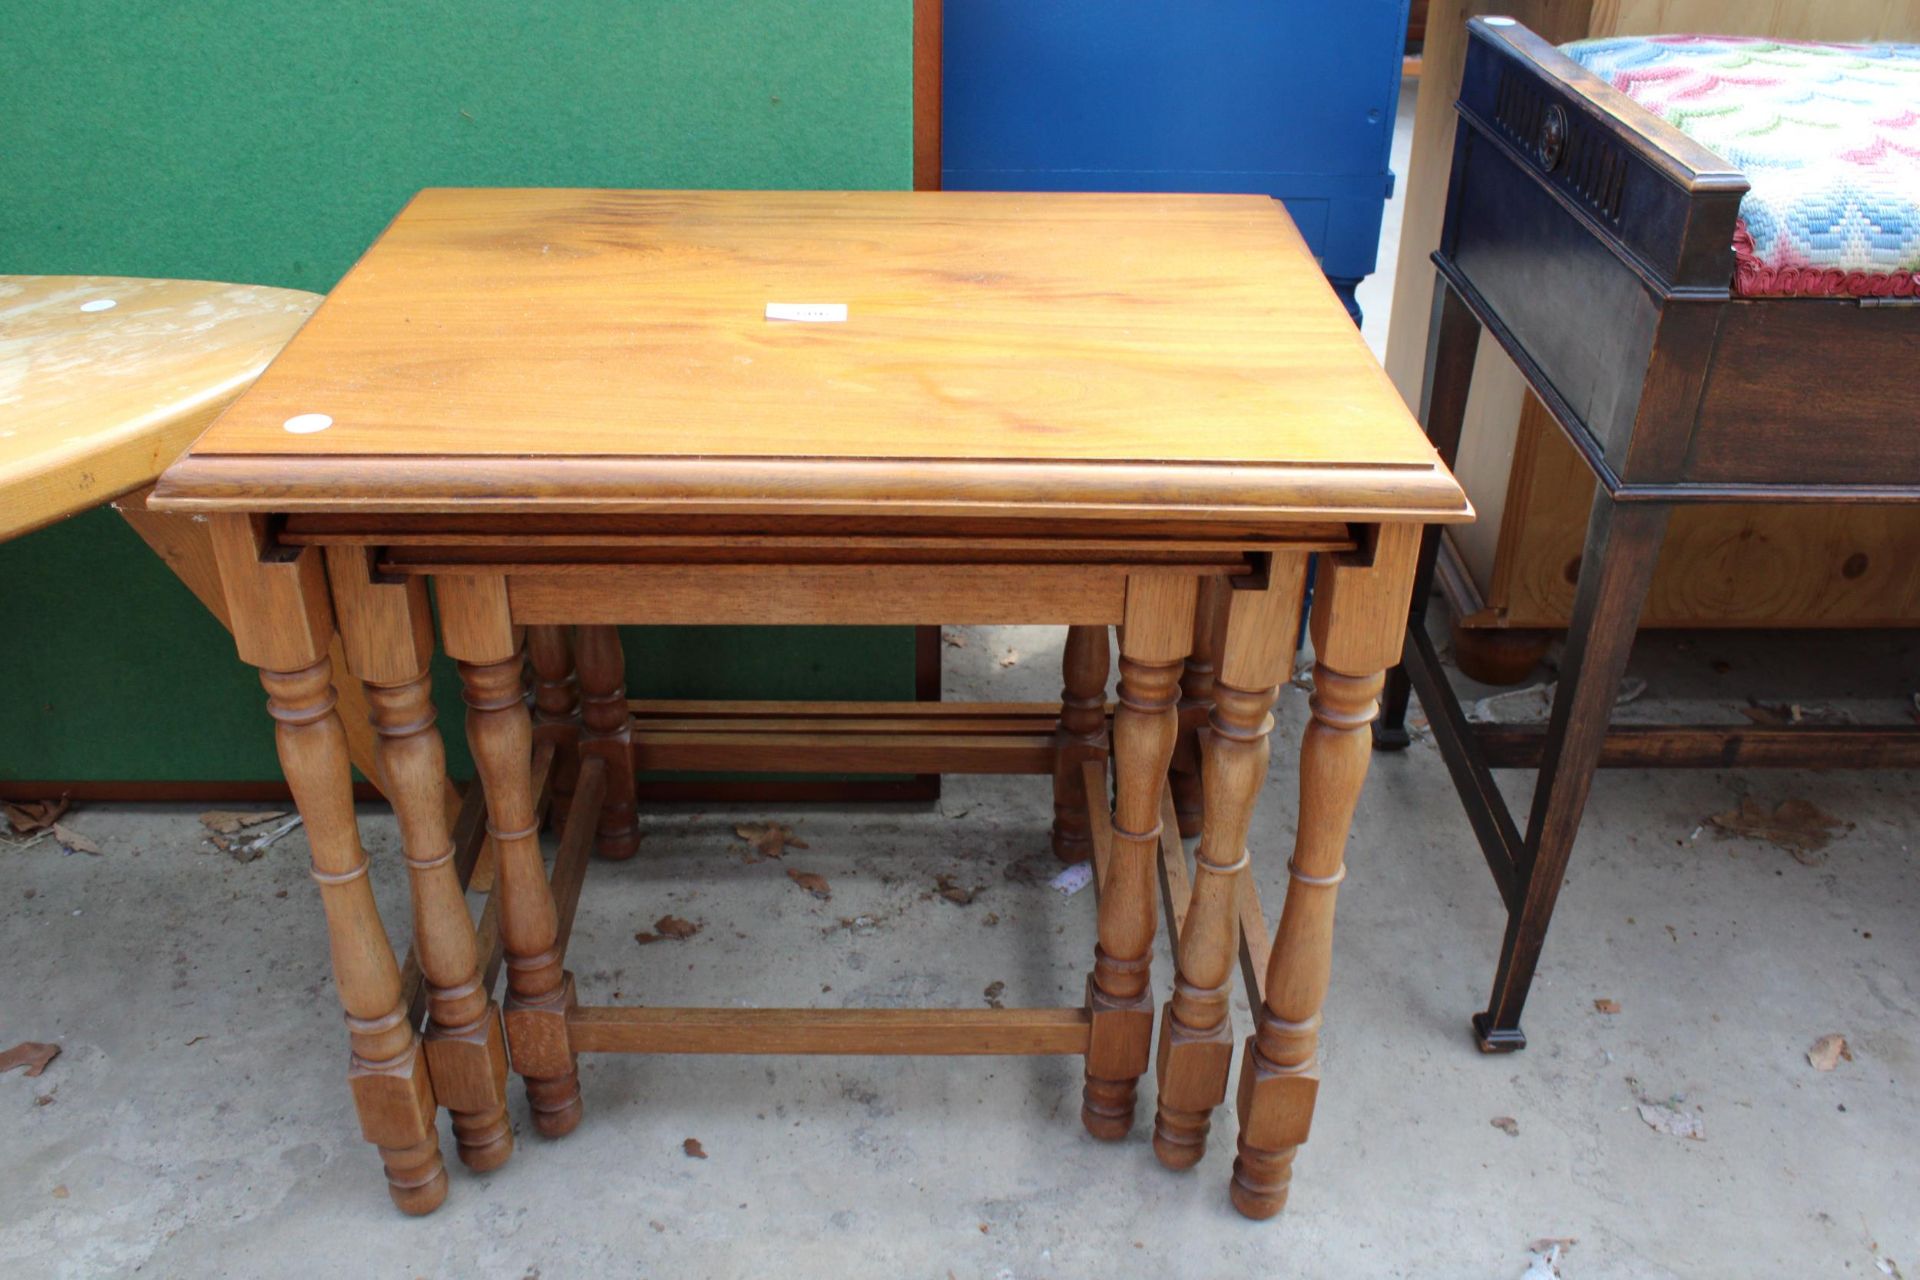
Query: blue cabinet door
x,y
1290,98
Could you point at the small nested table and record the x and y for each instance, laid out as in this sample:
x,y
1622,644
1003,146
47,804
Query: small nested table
x,y
578,409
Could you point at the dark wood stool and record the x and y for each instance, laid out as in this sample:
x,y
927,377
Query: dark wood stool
x,y
1595,242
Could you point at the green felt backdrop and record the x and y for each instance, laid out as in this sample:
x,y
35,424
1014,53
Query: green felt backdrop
x,y
270,141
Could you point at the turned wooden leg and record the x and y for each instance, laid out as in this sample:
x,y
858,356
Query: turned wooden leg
x,y
282,624
1082,736
479,633
1196,702
1255,630
1154,637
1359,621
387,631
556,712
1623,546
605,733
1453,339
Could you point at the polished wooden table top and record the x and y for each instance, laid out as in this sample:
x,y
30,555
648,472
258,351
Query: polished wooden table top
x,y
1042,354
105,380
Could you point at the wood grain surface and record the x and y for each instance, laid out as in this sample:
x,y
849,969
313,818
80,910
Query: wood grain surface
x,y
96,402
594,350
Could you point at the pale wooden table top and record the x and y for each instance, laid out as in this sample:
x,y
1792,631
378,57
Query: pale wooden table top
x,y
105,380
1009,354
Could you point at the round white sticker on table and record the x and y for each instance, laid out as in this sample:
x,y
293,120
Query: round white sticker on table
x,y
305,424
99,304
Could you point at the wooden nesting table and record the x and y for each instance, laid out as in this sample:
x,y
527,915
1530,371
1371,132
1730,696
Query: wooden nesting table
x,y
570,410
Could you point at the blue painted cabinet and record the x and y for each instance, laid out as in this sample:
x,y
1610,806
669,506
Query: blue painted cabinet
x,y
1292,98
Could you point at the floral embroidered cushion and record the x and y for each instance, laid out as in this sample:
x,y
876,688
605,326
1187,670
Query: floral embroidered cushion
x,y
1828,135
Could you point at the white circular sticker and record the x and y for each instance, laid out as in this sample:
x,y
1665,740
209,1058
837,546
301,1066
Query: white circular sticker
x,y
99,304
305,424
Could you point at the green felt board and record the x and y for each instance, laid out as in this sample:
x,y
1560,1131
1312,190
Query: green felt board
x,y
269,142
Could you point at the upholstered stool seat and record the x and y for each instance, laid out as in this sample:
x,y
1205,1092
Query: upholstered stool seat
x,y
1828,136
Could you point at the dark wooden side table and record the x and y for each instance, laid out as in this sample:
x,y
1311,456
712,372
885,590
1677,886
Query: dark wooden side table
x,y
1595,243
582,409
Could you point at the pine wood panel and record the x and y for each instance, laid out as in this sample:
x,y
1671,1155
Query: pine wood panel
x,y
95,403
1173,351
1760,566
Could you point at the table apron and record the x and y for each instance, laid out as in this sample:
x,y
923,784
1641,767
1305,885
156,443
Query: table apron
x,y
847,595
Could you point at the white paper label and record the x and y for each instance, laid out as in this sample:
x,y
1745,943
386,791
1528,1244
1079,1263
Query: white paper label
x,y
1074,878
808,312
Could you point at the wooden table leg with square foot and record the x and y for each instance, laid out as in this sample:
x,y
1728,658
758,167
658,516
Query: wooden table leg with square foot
x,y
1357,627
387,632
1254,625
1153,643
282,624
480,635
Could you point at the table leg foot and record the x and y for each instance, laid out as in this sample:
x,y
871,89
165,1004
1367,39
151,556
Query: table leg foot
x,y
1494,1039
1261,1180
416,1177
1106,1108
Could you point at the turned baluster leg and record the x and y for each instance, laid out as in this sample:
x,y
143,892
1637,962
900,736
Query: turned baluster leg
x,y
478,631
1154,637
387,631
1196,702
282,624
1255,651
605,733
1359,614
1082,736
556,712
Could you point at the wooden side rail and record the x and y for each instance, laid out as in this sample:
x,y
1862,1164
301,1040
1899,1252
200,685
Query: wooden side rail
x,y
845,737
603,1028
1714,746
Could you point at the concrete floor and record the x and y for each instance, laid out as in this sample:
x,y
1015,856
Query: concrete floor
x,y
196,1122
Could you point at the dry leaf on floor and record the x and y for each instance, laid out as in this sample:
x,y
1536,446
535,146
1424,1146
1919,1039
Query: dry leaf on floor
x,y
30,816
1010,658
1606,1005
1799,826
60,1192
813,884
693,1148
1667,1117
671,928
769,839
1545,1243
954,639
228,821
951,889
993,993
72,841
1828,1052
1507,1125
31,1054
249,848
